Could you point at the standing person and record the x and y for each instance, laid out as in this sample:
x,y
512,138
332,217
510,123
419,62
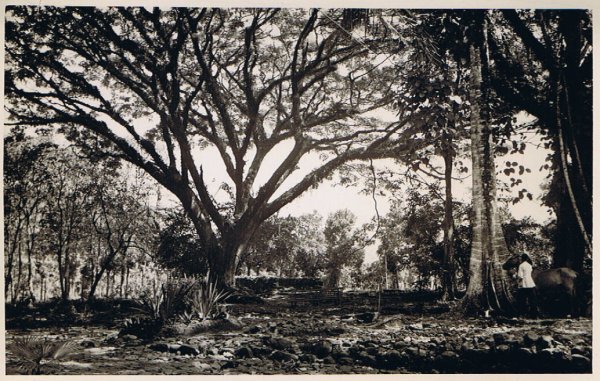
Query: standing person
x,y
527,286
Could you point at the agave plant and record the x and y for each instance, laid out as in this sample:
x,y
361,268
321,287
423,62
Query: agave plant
x,y
205,300
32,353
165,302
174,294
151,300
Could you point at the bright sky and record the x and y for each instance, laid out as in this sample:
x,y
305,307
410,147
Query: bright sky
x,y
328,197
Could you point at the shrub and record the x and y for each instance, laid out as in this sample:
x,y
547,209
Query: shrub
x,y
165,302
174,295
205,299
32,353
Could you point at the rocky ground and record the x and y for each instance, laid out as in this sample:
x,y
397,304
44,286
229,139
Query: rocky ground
x,y
329,340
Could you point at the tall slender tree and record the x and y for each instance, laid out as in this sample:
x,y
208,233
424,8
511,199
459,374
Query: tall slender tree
x,y
487,288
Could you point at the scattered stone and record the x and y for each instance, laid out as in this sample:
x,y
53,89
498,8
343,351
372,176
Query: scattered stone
x,y
329,360
202,366
581,363
87,344
160,347
308,358
229,365
502,348
244,352
279,343
369,360
524,352
367,317
321,349
188,350
530,338
283,356
416,326
128,338
579,350
544,342
345,360
449,355
500,338
553,354
395,359
253,330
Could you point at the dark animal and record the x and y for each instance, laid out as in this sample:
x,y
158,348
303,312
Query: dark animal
x,y
551,281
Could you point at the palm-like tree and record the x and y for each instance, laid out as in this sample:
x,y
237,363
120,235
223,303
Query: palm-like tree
x,y
32,353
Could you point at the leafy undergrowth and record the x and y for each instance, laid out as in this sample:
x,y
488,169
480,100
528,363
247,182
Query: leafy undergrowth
x,y
326,340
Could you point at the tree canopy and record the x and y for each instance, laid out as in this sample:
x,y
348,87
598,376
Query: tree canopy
x,y
155,87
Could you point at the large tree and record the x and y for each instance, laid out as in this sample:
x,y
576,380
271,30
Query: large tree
x,y
488,283
344,246
159,87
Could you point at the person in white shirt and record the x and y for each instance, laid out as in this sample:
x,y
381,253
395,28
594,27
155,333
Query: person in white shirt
x,y
527,290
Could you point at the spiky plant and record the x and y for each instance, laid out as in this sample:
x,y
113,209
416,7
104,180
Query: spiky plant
x,y
205,300
174,294
151,303
33,353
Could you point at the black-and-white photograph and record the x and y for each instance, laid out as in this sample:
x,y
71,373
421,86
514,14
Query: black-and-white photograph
x,y
297,191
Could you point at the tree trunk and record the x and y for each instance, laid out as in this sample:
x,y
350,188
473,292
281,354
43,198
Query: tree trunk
x,y
448,282
122,280
222,266
19,272
223,254
487,288
565,171
30,270
95,283
107,283
127,282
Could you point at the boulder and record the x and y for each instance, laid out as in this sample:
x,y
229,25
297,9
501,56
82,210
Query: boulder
x,y
581,363
580,350
229,365
367,317
279,343
365,358
502,348
321,349
500,338
449,355
160,347
345,361
253,329
244,352
553,354
308,358
127,338
530,339
448,360
394,359
283,356
87,344
544,342
329,360
188,350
